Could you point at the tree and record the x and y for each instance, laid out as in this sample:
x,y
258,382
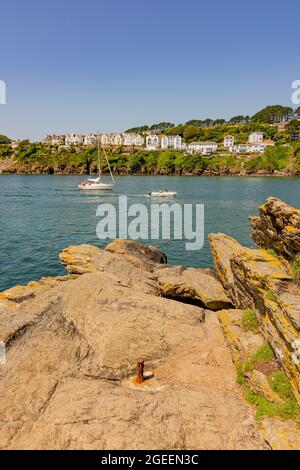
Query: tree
x,y
293,126
272,113
4,139
219,122
134,130
240,119
161,126
191,132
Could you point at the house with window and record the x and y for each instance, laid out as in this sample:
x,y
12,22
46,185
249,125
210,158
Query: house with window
x,y
248,148
228,141
55,139
133,140
73,139
152,142
104,139
111,138
256,137
116,139
171,141
90,139
206,148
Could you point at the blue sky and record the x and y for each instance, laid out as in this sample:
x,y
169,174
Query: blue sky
x,y
74,65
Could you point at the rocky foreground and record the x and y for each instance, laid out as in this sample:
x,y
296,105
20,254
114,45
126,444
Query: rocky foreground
x,y
74,344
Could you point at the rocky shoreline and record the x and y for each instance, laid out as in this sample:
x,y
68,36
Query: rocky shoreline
x,y
11,167
8,169
128,352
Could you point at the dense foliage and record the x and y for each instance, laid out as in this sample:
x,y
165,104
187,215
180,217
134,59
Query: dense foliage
x,y
272,113
267,115
38,157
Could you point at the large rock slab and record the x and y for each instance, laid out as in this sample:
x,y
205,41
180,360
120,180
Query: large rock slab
x,y
71,347
140,255
84,259
194,285
277,227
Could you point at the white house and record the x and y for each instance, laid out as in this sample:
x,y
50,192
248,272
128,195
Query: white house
x,y
111,138
73,139
248,148
55,139
133,139
171,141
206,148
164,142
228,141
152,142
104,139
116,139
90,139
256,137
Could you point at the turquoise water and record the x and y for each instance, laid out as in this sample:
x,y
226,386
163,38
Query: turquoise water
x,y
40,215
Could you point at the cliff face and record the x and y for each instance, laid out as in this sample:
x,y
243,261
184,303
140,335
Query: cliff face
x,y
277,227
260,281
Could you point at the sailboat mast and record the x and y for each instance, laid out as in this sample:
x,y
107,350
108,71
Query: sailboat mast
x,y
99,162
110,172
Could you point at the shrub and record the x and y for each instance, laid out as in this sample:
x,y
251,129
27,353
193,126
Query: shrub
x,y
240,375
249,321
296,266
270,296
264,353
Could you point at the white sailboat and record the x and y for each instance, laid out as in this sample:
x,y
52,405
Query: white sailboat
x,y
96,183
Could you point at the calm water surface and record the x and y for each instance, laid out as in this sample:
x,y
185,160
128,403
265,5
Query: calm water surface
x,y
40,215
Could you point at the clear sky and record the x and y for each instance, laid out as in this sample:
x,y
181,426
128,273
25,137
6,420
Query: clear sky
x,y
74,65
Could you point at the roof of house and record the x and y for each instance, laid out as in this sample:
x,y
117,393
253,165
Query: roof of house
x,y
201,143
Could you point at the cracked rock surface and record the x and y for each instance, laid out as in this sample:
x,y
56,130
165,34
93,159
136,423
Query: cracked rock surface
x,y
72,343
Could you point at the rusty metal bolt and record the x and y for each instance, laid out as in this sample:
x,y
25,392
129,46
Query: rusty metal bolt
x,y
140,371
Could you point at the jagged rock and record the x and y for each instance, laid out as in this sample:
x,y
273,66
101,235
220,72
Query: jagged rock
x,y
260,384
258,280
242,343
88,259
195,285
71,352
281,435
223,248
277,227
139,254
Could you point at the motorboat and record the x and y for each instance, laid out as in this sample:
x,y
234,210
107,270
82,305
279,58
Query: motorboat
x,y
163,193
96,183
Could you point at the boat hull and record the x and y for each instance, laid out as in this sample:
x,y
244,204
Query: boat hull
x,y
96,186
163,194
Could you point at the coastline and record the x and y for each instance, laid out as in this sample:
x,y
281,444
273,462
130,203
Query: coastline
x,y
15,169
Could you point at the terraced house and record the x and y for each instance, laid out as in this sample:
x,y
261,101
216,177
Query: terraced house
x,y
133,139
206,148
171,141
